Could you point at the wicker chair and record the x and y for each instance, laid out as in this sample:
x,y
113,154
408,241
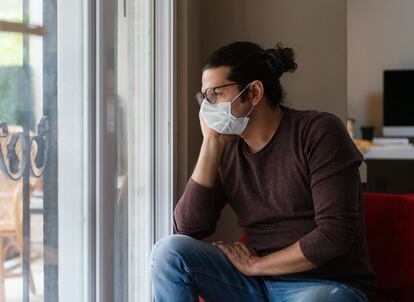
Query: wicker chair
x,y
11,220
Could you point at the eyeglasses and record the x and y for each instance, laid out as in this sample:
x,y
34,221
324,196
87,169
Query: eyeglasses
x,y
210,94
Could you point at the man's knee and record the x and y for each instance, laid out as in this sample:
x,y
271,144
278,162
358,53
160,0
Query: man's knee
x,y
166,250
326,292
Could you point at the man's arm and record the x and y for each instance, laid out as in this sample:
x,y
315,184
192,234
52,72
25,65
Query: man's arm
x,y
199,208
205,171
286,261
336,211
337,226
336,192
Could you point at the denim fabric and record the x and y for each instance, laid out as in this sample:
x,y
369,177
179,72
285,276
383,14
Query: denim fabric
x,y
183,268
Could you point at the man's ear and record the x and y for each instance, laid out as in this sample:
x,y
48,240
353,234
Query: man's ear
x,y
256,92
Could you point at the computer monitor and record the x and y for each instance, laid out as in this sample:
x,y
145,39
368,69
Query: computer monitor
x,y
398,103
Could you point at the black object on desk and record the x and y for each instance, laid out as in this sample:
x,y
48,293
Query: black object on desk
x,y
367,132
394,176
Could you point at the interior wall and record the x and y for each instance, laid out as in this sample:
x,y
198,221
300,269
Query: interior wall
x,y
379,37
315,29
188,66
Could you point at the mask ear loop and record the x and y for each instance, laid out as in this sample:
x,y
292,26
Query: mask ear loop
x,y
247,115
250,111
236,97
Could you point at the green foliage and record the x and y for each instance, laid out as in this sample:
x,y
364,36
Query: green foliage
x,y
11,94
11,69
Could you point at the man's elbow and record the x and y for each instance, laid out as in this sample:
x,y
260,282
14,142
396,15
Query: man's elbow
x,y
327,242
342,238
196,232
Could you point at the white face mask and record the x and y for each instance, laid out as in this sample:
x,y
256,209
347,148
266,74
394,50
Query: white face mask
x,y
219,117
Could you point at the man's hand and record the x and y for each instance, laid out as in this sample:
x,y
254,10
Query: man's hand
x,y
243,257
205,172
213,134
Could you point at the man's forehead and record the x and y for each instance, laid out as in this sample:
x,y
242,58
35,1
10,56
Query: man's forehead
x,y
213,77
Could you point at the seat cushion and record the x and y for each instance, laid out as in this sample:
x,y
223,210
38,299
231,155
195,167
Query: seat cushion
x,y
389,222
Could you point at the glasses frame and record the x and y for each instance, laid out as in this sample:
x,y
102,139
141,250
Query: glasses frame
x,y
200,96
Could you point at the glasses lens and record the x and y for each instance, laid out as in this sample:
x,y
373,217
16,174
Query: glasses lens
x,y
211,95
199,98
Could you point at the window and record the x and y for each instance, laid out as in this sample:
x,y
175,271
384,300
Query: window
x,y
85,168
28,232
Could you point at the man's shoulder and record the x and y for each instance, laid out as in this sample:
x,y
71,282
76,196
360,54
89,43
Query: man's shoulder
x,y
313,120
306,116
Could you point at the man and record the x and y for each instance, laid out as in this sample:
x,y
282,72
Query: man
x,y
291,176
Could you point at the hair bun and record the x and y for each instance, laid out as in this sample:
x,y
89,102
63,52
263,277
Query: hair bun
x,y
282,59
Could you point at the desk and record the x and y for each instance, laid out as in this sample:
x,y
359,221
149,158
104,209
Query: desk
x,y
389,169
394,176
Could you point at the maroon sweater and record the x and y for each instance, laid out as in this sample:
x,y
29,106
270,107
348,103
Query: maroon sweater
x,y
303,185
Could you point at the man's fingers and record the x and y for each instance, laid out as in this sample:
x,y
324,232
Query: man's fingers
x,y
235,249
253,251
245,249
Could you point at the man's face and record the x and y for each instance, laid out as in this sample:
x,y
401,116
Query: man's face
x,y
215,77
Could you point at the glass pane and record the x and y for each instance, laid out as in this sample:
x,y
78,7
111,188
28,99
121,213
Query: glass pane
x,y
133,214
30,221
21,230
28,211
11,10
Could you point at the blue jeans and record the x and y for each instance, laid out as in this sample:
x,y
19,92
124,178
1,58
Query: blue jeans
x,y
183,268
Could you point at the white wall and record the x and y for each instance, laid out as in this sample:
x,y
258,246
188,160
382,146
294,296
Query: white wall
x,y
380,36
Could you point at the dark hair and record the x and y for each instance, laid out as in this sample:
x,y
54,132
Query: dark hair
x,y
249,61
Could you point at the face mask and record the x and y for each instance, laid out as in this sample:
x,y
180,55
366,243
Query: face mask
x,y
219,117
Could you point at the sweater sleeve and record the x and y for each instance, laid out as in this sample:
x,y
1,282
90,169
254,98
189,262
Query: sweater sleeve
x,y
198,209
333,162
